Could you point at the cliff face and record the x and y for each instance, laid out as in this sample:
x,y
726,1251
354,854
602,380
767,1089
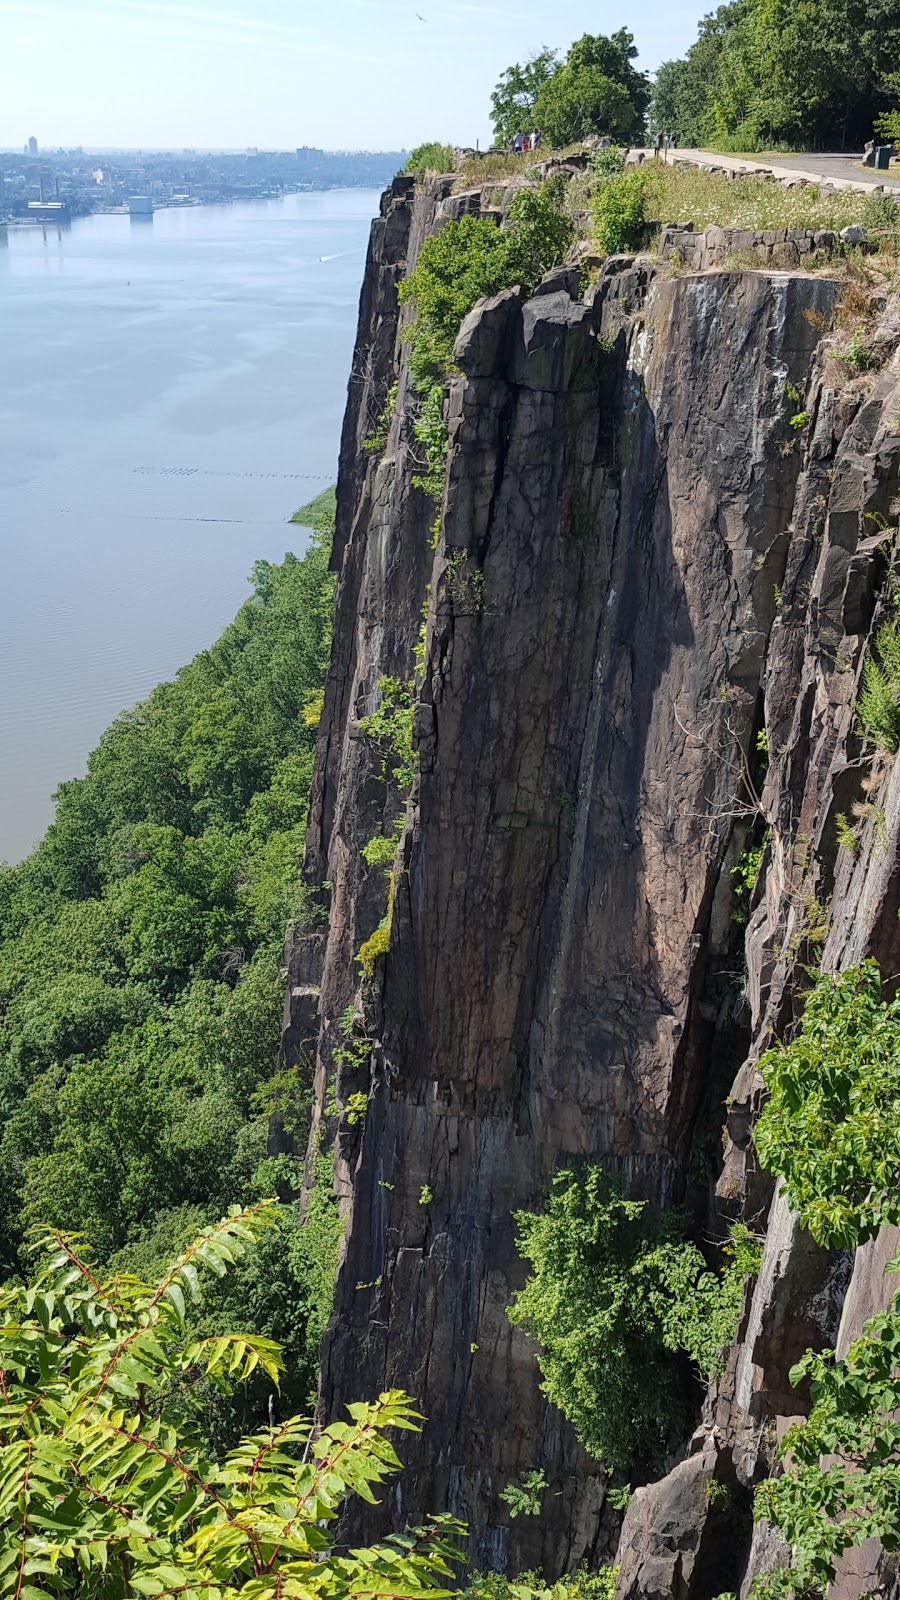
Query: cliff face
x,y
639,566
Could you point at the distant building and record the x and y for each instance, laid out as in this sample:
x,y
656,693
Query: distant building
x,y
140,205
32,146
49,210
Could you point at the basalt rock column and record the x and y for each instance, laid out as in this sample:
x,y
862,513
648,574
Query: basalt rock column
x,y
615,520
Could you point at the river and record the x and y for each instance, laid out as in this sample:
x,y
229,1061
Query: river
x,y
172,390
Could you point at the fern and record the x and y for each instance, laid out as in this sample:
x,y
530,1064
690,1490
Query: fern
x,y
879,699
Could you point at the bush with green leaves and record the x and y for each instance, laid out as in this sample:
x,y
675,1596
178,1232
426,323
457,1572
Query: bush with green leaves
x,y
390,726
619,211
430,157
841,1481
607,163
616,1295
743,880
432,433
106,1488
523,1498
879,698
830,1127
471,258
580,1585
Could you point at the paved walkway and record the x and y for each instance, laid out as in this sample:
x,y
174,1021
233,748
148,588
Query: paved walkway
x,y
843,171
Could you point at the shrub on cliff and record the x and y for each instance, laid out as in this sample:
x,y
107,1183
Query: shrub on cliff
x,y
840,1483
471,258
430,157
619,210
615,1296
829,1128
580,1585
879,698
106,1488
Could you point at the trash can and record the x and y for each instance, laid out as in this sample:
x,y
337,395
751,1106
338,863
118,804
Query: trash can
x,y
883,157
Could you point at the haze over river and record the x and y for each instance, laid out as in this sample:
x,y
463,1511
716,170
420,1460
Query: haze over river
x,y
170,392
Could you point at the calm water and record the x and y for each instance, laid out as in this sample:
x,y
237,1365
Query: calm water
x,y
170,392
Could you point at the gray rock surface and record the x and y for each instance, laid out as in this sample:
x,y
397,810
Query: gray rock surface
x,y
639,563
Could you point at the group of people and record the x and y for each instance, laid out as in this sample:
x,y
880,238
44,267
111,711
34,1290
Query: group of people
x,y
665,141
523,142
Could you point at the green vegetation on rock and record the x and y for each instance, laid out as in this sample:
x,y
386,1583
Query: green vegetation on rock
x,y
829,1128
879,697
430,157
841,1480
580,1585
617,1297
471,258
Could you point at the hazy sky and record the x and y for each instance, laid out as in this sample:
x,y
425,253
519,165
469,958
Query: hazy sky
x,y
278,73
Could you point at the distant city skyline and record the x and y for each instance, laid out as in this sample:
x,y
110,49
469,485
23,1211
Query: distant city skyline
x,y
225,74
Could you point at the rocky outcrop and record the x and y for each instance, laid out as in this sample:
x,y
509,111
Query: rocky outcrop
x,y
816,900
771,247
639,566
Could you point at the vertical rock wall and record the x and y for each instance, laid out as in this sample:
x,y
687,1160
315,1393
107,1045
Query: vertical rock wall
x,y
637,567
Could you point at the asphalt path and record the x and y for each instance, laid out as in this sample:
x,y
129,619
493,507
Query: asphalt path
x,y
844,171
833,166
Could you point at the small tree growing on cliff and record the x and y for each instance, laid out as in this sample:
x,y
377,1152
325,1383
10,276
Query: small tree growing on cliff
x,y
106,1491
616,1293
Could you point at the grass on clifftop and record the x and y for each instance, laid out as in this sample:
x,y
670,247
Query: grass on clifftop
x,y
701,197
324,505
627,204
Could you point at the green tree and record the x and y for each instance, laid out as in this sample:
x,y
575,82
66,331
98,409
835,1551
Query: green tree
x,y
513,99
596,90
813,75
615,1294
105,1487
131,1067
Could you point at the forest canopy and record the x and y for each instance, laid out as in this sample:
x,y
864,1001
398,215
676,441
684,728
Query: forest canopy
x,y
814,75
140,992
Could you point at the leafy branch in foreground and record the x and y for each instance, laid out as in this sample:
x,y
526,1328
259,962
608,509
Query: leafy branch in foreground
x,y
105,1491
